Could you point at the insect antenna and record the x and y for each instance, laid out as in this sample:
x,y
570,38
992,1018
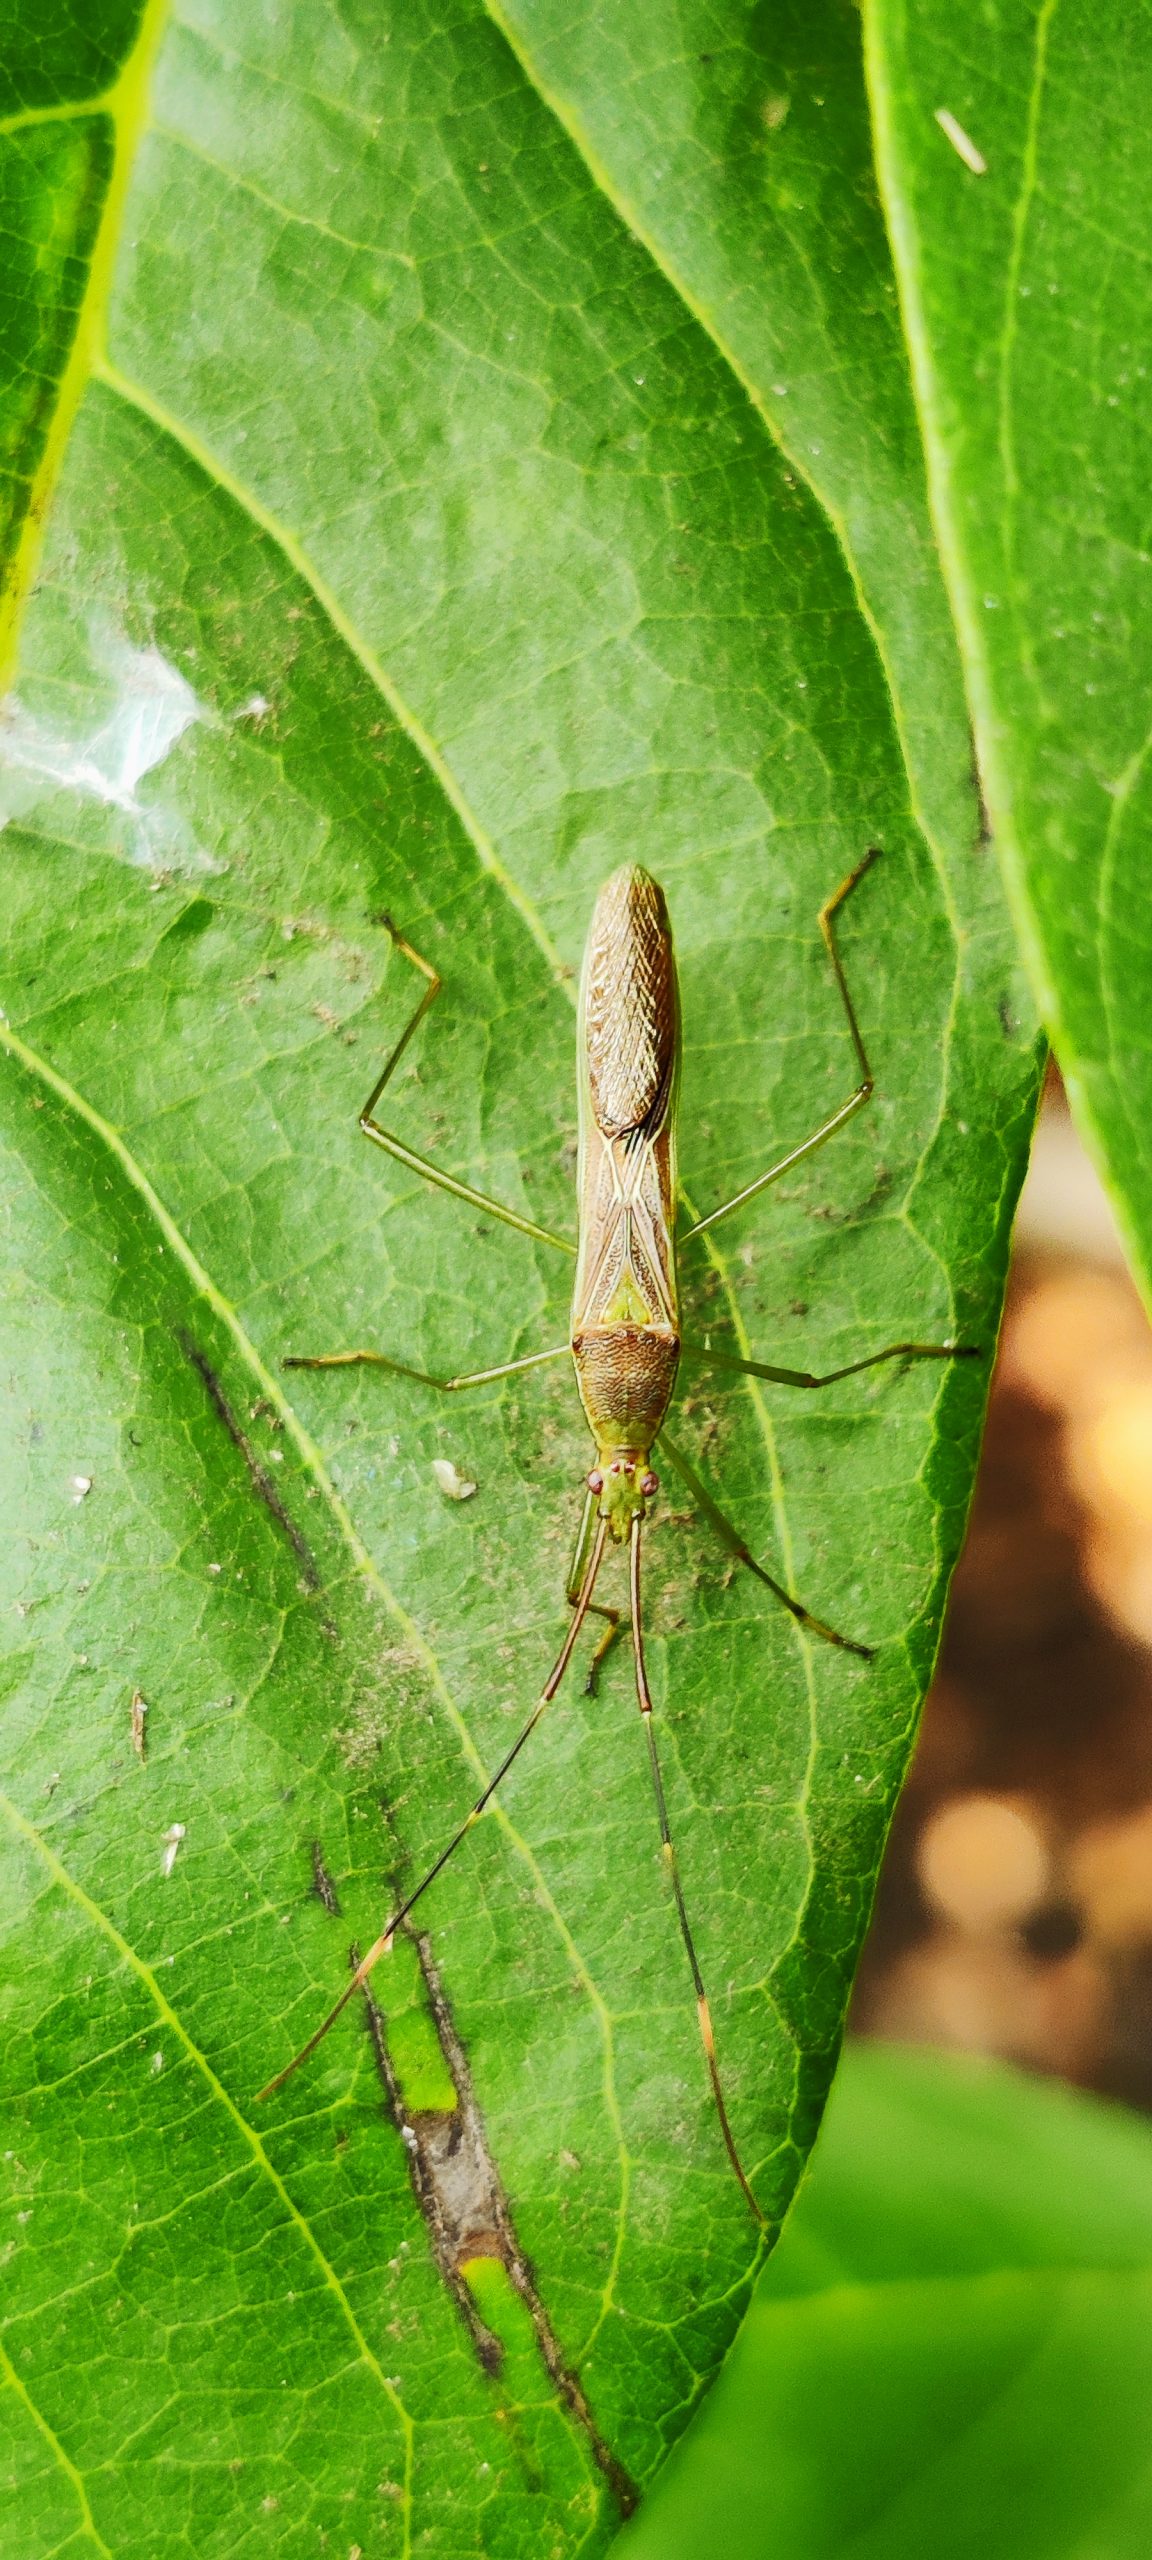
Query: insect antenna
x,y
381,1945
703,2012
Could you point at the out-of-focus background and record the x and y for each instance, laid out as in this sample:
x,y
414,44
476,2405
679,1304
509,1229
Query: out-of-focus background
x,y
1015,1910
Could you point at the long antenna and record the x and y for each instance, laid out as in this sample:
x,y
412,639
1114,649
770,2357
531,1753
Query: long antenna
x,y
703,2012
381,1945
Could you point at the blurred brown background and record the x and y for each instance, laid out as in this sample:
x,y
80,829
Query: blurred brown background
x,y
1015,1910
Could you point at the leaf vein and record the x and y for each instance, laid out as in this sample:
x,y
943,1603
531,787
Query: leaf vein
x,y
68,1883
52,2440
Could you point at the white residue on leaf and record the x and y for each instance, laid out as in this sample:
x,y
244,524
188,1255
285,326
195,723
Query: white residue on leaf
x,y
81,1487
962,142
139,1711
172,1839
457,1487
103,734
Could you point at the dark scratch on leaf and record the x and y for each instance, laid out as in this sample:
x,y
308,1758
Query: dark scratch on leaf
x,y
460,2194
447,2182
985,835
261,1479
322,1885
520,2272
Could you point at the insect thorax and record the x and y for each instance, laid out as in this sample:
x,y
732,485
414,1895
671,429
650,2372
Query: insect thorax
x,y
626,1374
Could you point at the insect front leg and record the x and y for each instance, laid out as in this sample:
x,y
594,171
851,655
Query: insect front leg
x,y
738,1547
672,1867
423,1377
585,1536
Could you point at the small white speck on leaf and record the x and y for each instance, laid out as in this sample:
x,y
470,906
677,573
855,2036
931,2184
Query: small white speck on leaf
x,y
139,1712
962,142
172,1839
81,1488
215,1568
157,2064
458,1488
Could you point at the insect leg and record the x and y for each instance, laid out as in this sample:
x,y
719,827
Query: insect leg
x,y
738,1547
381,1945
806,1377
407,1155
598,1608
423,1377
703,2012
847,1111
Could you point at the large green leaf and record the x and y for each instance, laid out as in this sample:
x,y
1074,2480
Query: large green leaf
x,y
950,2351
416,547
1025,293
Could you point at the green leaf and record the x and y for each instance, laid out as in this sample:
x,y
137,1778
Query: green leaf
x,y
417,549
1025,300
736,144
950,2351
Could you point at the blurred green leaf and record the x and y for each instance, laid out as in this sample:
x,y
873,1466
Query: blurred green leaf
x,y
950,2350
417,548
1025,297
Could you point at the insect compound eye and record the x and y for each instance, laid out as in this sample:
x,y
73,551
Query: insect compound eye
x,y
595,1481
650,1484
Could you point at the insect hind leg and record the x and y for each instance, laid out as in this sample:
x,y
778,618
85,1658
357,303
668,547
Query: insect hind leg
x,y
703,2012
614,1618
423,1377
864,1090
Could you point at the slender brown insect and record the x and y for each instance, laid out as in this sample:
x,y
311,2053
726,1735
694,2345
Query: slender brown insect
x,y
625,1338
